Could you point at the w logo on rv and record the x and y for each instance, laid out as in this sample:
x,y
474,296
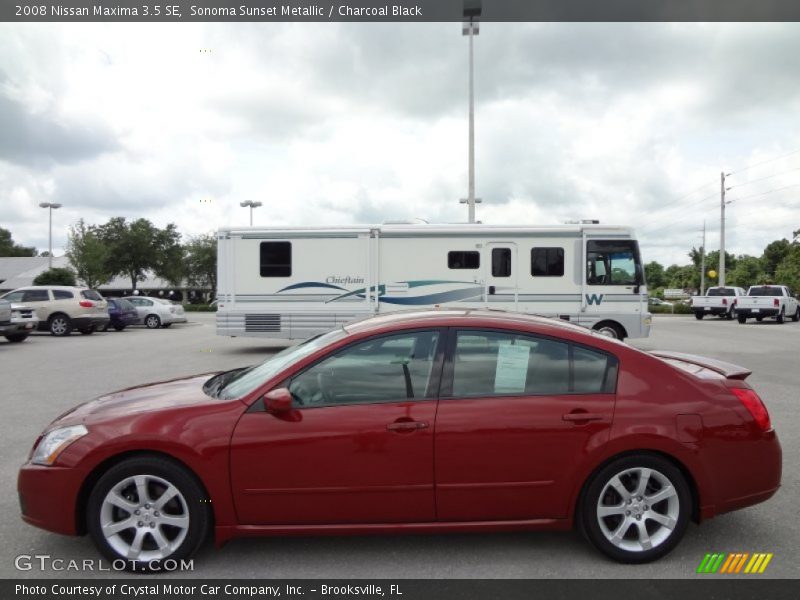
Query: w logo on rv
x,y
594,298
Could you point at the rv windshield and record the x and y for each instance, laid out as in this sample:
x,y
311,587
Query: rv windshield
x,y
240,382
613,262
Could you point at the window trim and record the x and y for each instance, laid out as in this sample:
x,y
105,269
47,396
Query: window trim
x,y
261,260
610,379
563,259
475,252
431,393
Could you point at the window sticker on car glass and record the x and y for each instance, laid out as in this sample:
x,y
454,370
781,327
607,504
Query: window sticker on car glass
x,y
512,368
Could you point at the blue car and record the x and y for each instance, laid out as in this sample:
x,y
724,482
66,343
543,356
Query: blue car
x,y
122,314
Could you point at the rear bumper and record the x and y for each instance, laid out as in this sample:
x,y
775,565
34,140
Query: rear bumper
x,y
710,310
758,312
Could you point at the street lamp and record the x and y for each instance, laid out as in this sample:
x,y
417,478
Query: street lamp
x,y
50,206
472,12
252,205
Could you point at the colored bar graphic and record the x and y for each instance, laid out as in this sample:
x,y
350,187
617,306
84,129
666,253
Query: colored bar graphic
x,y
733,563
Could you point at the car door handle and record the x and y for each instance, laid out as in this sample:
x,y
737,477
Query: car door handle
x,y
577,417
407,425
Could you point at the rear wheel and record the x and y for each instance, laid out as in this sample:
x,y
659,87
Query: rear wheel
x,y
742,319
796,315
145,510
59,325
119,327
636,509
699,316
730,314
152,321
16,337
759,319
781,317
105,327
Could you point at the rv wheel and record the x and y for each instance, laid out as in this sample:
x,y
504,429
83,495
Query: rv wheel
x,y
610,329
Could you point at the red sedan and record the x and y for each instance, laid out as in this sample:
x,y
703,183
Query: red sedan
x,y
428,421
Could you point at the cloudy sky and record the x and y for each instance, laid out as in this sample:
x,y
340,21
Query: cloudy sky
x,y
351,123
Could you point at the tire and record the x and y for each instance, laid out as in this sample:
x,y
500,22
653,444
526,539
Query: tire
x,y
796,315
616,490
152,321
699,316
119,327
730,314
781,317
167,325
742,319
117,498
17,337
87,331
105,327
610,329
759,319
59,325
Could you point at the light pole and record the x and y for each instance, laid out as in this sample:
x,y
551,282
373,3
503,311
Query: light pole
x,y
722,203
50,206
471,28
252,205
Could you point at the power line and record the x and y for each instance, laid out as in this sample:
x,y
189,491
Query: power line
x,y
786,187
764,178
764,162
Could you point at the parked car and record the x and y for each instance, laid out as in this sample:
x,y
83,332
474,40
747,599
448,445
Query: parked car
x,y
122,313
16,322
61,309
423,421
658,302
775,301
720,301
157,312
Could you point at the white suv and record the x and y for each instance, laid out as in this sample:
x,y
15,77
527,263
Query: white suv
x,y
63,308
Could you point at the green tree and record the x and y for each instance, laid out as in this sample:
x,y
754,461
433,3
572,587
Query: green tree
x,y
55,276
10,248
773,254
686,276
747,271
201,262
139,246
88,254
654,275
788,270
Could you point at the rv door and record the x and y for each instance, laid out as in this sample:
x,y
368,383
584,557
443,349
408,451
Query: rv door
x,y
501,269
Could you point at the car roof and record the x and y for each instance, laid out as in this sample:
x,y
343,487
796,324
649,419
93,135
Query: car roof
x,y
468,317
70,288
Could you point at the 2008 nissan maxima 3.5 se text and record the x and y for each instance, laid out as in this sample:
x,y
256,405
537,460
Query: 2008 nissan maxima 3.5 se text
x,y
426,421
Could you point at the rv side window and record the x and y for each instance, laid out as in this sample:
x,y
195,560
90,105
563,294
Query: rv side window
x,y
276,259
501,262
547,262
463,260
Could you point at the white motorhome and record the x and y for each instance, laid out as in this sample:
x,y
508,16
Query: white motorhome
x,y
292,283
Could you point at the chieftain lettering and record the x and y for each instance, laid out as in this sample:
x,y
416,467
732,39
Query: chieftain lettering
x,y
343,280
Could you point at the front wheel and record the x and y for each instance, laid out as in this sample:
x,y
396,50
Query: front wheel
x,y
152,321
610,329
145,510
636,509
16,337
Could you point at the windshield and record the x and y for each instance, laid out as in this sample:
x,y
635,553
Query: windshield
x,y
613,262
240,382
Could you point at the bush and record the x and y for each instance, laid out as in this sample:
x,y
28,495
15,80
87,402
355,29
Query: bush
x,y
199,308
678,308
56,276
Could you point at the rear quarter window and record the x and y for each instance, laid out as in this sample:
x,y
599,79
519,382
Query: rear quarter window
x,y
62,295
91,295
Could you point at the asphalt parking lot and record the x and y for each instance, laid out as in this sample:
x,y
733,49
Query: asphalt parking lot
x,y
44,376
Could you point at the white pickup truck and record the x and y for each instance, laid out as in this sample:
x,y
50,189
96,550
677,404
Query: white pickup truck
x,y
720,301
16,322
761,301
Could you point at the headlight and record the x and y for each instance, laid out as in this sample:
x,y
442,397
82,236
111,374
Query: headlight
x,y
55,442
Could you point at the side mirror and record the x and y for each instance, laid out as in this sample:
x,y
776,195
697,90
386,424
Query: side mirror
x,y
278,401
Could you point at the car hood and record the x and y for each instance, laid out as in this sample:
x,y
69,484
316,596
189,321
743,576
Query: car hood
x,y
150,398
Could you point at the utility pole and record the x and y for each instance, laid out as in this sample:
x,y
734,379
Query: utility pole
x,y
722,203
472,10
703,262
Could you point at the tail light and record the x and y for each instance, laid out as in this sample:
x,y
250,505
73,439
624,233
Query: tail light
x,y
776,302
755,406
86,303
724,302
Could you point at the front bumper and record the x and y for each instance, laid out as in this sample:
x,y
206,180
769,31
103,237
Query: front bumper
x,y
19,326
47,497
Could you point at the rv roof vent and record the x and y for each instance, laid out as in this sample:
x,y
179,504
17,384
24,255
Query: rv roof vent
x,y
582,222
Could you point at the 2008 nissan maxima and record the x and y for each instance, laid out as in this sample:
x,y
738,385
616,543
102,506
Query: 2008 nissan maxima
x,y
427,421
